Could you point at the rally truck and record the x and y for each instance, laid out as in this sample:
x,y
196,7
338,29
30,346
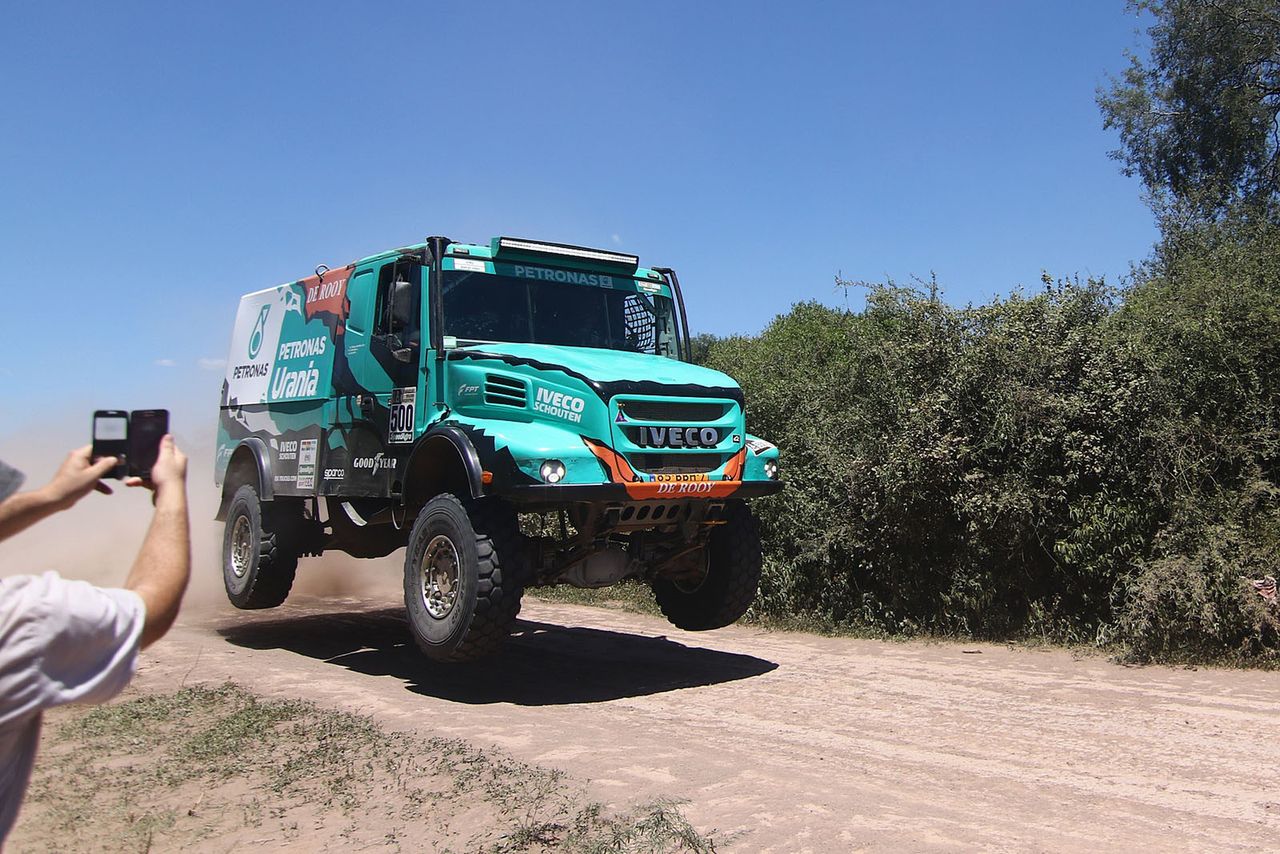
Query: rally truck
x,y
513,414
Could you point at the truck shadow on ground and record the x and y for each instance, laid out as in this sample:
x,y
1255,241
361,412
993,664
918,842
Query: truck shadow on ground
x,y
542,664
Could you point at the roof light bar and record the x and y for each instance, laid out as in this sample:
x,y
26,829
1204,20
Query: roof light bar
x,y
518,245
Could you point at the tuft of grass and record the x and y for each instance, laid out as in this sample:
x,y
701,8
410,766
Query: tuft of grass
x,y
657,826
216,767
630,595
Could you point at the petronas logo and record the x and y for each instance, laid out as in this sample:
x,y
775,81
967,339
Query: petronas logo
x,y
255,340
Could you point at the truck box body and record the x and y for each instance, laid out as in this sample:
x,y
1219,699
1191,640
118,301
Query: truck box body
x,y
279,381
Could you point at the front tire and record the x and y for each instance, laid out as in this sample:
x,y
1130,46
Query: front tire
x,y
462,577
725,591
258,561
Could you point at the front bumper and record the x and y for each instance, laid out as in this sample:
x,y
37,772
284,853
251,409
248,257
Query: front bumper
x,y
708,490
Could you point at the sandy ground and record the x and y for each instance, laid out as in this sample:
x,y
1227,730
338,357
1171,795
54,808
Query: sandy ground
x,y
795,742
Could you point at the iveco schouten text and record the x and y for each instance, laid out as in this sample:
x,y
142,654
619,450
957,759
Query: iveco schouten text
x,y
514,414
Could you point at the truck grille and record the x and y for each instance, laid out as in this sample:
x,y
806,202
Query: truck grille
x,y
662,410
677,463
505,391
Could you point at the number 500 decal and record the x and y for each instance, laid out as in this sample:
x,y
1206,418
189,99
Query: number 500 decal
x,y
400,429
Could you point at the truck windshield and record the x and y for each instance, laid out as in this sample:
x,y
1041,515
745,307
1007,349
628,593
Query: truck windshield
x,y
481,307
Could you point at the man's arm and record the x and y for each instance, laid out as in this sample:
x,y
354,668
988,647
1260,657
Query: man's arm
x,y
163,566
77,477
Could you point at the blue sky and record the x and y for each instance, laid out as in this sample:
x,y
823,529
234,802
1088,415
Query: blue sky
x,y
158,160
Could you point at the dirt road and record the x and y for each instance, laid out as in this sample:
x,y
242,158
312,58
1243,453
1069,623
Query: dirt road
x,y
801,743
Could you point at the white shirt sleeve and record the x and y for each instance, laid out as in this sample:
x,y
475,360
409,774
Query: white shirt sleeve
x,y
64,642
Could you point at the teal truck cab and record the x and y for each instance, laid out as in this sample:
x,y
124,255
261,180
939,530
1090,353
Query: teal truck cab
x,y
514,414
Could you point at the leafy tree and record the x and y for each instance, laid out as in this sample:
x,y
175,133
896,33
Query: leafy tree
x,y
1079,463
701,343
1199,120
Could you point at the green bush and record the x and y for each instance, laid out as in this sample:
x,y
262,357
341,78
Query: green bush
x,y
1080,463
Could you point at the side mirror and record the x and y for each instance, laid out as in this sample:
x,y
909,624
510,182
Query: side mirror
x,y
401,305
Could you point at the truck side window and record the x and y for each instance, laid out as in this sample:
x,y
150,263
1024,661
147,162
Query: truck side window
x,y
360,292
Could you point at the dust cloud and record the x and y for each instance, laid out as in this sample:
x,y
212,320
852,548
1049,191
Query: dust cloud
x,y
339,575
98,538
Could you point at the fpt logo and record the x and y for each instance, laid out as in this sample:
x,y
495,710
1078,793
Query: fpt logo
x,y
255,340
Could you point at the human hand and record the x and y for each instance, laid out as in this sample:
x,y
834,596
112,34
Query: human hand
x,y
79,475
168,473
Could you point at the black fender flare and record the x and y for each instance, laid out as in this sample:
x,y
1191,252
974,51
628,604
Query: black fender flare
x,y
258,455
430,443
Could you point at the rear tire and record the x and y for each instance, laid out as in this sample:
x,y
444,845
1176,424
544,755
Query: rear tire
x,y
463,572
258,559
728,588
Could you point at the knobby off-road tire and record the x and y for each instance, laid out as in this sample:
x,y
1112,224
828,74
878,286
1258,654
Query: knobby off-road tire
x,y
729,587
463,576
258,558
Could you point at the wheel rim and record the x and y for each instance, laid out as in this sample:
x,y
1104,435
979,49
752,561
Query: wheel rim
x,y
439,576
241,546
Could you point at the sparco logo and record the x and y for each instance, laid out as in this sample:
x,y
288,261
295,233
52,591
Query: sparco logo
x,y
677,437
375,463
255,339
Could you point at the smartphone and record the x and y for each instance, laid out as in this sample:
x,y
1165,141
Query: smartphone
x,y
146,428
111,439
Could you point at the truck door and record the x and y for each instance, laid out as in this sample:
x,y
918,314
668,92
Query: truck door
x,y
376,402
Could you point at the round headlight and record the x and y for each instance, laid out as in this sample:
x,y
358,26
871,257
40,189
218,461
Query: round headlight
x,y
552,471
771,469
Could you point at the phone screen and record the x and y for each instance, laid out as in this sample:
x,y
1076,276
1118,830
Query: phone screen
x,y
111,438
146,428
